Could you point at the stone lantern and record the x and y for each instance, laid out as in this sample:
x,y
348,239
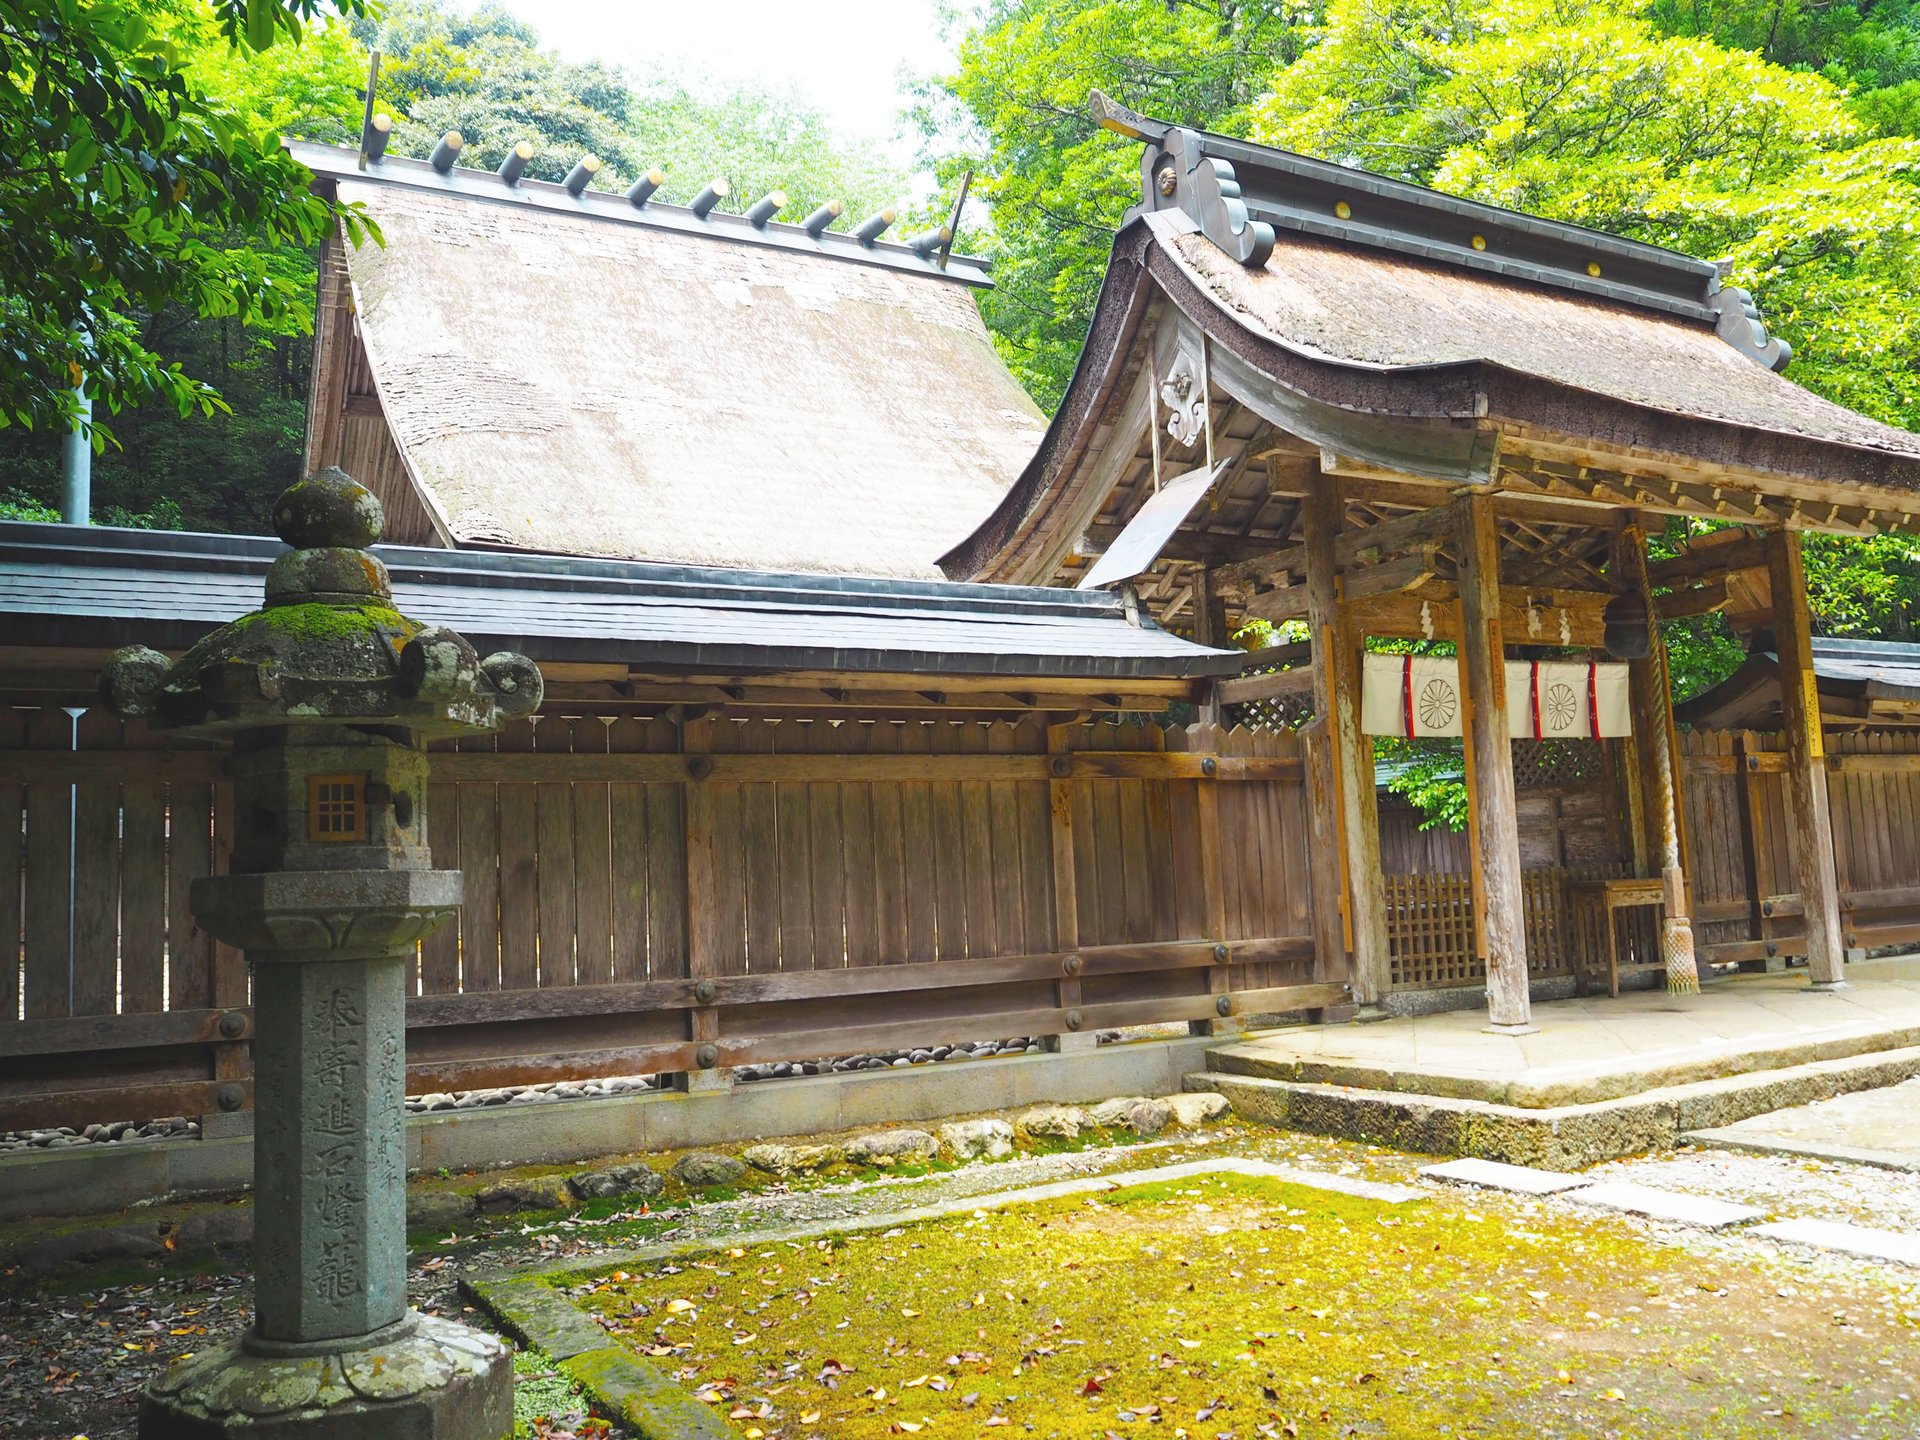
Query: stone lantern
x,y
328,695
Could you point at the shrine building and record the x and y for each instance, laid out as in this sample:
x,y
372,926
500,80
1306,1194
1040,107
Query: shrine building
x,y
1355,408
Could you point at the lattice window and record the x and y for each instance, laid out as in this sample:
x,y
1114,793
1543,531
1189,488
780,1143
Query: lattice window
x,y
336,808
1557,764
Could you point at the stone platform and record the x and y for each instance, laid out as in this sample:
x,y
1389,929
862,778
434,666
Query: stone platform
x,y
1872,1127
1600,1078
1598,1048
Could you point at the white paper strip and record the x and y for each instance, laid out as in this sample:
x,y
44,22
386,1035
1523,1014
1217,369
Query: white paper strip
x,y
1419,695
1425,687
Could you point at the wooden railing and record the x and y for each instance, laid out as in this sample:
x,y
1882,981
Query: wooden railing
x,y
642,897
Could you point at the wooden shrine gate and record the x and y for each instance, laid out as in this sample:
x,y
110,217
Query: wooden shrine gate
x,y
1740,866
637,892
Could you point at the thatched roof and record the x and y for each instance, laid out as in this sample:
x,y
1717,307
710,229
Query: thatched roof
x,y
574,374
1353,307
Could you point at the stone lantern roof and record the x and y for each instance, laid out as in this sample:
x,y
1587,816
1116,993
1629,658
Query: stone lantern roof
x,y
328,647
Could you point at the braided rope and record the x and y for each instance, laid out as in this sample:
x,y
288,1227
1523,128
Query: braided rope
x,y
1683,976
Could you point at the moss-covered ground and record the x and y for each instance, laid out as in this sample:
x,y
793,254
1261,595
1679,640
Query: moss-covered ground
x,y
1225,1306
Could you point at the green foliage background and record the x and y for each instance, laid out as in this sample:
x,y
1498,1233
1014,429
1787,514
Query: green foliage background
x,y
210,450
1779,134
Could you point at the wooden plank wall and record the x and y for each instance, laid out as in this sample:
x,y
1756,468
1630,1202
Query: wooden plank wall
x,y
1742,861
637,891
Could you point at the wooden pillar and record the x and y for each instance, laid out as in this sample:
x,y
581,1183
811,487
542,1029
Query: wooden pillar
x,y
1213,891
1498,899
1808,819
1324,871
1209,629
704,942
1066,895
1337,650
1650,696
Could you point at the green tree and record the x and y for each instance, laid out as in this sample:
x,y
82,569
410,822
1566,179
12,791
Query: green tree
x,y
219,467
1864,43
484,75
1582,110
1015,110
123,193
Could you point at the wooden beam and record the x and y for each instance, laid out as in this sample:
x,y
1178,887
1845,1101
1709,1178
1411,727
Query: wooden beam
x,y
1277,607
1367,545
1202,546
1209,629
1805,784
1710,556
705,940
1274,684
1483,673
1399,616
1405,572
1066,886
1694,600
817,767
855,680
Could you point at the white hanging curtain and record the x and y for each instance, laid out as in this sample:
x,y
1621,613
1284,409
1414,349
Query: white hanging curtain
x,y
1419,695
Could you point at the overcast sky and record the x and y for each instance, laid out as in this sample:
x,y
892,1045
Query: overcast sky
x,y
843,55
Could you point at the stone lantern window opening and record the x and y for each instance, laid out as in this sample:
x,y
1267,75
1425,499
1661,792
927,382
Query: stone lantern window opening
x,y
336,808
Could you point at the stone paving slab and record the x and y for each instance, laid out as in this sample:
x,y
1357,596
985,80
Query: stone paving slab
x,y
1871,1127
1668,1205
1493,1175
1892,1245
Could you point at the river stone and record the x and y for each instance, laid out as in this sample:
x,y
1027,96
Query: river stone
x,y
789,1159
545,1192
1199,1107
1134,1112
225,1228
1053,1122
978,1139
635,1179
117,1242
892,1147
437,1211
700,1169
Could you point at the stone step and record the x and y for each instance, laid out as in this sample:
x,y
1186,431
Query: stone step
x,y
1563,1138
1550,1086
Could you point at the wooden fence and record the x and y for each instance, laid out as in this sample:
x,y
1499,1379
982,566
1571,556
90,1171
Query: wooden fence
x,y
1740,850
642,897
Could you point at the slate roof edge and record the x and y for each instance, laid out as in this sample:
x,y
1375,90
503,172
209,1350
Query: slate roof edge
x,y
1007,608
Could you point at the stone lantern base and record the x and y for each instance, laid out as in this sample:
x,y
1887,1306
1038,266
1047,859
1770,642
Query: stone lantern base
x,y
421,1379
